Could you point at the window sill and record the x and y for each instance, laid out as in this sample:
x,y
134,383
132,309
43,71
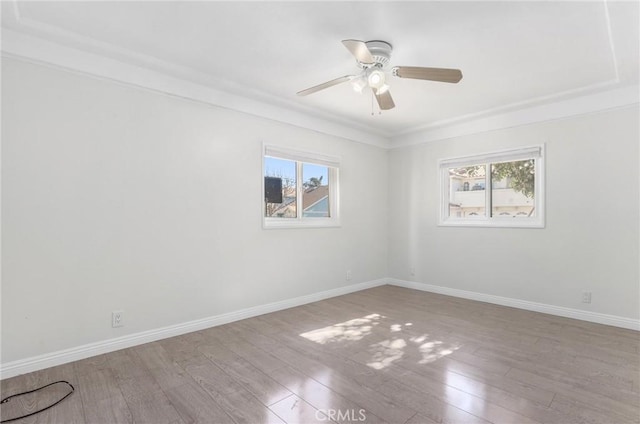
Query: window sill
x,y
275,224
497,223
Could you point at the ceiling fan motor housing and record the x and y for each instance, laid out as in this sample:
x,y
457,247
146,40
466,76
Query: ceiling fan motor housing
x,y
381,52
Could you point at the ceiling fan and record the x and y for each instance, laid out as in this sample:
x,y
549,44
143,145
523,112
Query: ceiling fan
x,y
373,59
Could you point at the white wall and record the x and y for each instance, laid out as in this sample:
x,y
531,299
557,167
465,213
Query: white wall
x,y
115,197
591,238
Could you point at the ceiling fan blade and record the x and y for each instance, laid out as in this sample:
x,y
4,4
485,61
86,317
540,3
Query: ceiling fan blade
x,y
359,50
430,74
324,85
385,101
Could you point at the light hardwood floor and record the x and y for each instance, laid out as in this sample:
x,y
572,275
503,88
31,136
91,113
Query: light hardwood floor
x,y
386,354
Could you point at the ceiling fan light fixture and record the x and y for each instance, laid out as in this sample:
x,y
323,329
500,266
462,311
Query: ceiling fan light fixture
x,y
376,79
358,84
383,89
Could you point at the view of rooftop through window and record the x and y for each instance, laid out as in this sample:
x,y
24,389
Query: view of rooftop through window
x,y
286,171
315,188
315,195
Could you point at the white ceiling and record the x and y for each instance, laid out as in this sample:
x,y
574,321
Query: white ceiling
x,y
513,55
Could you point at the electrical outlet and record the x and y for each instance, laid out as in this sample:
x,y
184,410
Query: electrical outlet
x,y
348,275
586,297
117,319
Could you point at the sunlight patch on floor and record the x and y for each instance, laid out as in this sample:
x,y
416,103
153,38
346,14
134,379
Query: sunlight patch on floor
x,y
354,329
398,346
387,352
432,350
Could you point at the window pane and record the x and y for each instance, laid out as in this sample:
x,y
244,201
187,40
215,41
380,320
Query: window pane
x,y
315,194
467,196
513,189
280,172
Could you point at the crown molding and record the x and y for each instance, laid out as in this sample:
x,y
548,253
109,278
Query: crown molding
x,y
180,82
592,103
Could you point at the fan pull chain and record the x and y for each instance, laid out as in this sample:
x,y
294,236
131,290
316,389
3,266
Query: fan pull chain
x,y
373,106
371,102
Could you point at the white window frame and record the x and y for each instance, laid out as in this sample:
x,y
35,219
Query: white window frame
x,y
531,152
301,157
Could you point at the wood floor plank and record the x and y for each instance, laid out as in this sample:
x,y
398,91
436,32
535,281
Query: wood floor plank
x,y
245,409
179,348
590,413
102,399
251,377
320,396
356,371
157,363
481,386
147,402
89,365
127,364
604,354
263,387
225,345
98,386
606,387
110,410
425,378
294,410
493,399
233,398
428,405
195,406
69,411
370,399
420,419
628,406
210,376
255,355
606,375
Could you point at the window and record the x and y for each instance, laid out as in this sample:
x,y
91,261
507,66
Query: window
x,y
300,189
501,189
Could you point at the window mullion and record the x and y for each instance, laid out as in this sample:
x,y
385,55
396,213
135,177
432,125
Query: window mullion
x,y
299,190
488,191
331,175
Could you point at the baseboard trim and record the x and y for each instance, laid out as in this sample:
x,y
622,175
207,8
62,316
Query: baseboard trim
x,y
35,363
613,320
